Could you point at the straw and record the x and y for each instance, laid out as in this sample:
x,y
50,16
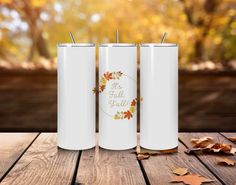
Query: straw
x,y
163,37
117,36
72,38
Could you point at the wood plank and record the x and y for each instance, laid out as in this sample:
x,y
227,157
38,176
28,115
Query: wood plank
x,y
229,134
44,163
225,173
106,167
11,148
159,168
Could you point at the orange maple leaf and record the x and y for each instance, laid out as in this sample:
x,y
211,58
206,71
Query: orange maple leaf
x,y
102,87
133,103
128,114
108,75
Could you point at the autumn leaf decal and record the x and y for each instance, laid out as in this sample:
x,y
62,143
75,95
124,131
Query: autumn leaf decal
x,y
108,76
105,78
116,75
95,90
102,87
128,115
133,103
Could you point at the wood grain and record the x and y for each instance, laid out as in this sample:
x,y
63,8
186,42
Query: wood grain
x,y
105,167
227,174
11,148
159,168
43,164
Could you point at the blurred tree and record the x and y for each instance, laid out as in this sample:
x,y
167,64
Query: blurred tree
x,y
203,16
200,27
29,11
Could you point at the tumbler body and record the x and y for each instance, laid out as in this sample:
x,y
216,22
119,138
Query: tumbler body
x,y
76,100
159,90
118,76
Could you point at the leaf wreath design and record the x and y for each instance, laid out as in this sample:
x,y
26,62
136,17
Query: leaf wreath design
x,y
129,113
105,78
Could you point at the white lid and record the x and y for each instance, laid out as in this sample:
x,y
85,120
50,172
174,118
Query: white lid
x,y
158,45
117,45
76,45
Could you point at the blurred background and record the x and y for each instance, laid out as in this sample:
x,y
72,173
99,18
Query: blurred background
x,y
204,29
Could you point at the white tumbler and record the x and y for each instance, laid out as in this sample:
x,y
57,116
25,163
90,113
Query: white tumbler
x,y
117,96
159,90
76,100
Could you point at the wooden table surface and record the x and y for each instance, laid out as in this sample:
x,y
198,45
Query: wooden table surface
x,y
34,158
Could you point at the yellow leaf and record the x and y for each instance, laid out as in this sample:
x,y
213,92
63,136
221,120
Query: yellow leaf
x,y
103,80
116,117
132,109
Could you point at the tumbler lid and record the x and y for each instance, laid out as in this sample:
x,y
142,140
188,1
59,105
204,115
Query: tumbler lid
x,y
158,45
76,45
117,45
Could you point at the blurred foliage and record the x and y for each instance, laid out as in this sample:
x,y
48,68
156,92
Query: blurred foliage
x,y
204,29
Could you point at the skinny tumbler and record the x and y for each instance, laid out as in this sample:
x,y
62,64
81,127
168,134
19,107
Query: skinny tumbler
x,y
117,96
76,100
159,90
